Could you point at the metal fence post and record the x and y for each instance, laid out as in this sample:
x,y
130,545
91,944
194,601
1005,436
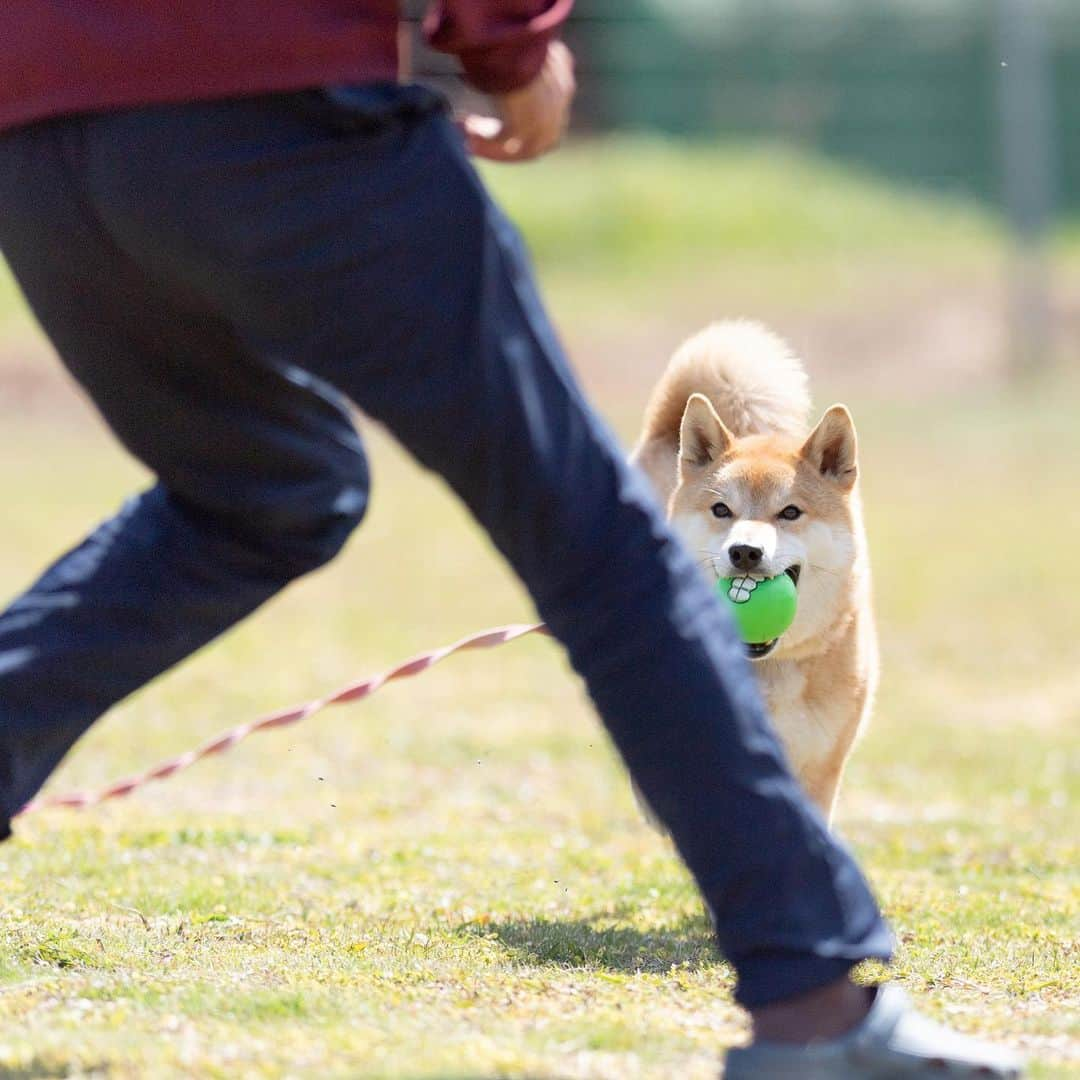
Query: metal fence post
x,y
1028,167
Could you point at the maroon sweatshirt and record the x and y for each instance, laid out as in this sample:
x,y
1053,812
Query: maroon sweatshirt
x,y
67,56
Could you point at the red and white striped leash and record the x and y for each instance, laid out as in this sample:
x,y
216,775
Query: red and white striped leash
x,y
485,639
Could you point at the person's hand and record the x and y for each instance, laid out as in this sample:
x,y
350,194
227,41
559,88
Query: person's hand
x,y
531,120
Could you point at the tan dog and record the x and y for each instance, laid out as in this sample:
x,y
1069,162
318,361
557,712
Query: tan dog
x,y
725,444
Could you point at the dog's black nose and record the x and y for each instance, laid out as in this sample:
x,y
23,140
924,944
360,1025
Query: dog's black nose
x,y
744,557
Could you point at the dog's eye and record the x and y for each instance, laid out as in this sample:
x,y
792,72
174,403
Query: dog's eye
x,y
721,510
791,513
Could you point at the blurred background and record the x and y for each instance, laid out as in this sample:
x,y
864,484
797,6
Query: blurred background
x,y
964,103
894,186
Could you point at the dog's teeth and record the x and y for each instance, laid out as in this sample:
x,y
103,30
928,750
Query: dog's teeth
x,y
741,588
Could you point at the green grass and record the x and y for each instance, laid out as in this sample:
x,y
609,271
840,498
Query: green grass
x,y
613,203
12,307
451,880
628,212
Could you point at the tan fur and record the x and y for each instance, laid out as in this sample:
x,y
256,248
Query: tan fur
x,y
728,423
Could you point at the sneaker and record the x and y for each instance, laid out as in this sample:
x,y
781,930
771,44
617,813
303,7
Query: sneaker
x,y
893,1041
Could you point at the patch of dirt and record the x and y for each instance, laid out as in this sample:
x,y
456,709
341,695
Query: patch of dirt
x,y
897,334
908,336
33,383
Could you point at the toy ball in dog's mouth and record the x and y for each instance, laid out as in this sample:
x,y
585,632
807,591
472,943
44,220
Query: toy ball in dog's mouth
x,y
763,608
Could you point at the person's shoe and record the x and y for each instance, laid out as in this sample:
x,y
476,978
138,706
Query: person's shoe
x,y
893,1041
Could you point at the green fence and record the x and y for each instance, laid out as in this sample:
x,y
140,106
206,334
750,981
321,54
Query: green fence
x,y
908,89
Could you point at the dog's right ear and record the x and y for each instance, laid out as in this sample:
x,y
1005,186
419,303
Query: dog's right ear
x,y
702,435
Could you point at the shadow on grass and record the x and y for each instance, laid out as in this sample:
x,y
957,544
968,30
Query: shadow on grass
x,y
588,944
50,1069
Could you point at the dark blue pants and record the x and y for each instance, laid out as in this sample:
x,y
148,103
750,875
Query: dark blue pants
x,y
220,278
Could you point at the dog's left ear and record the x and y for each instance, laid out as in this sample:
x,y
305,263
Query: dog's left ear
x,y
832,448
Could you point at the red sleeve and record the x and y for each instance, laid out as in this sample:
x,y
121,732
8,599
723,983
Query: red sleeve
x,y
501,43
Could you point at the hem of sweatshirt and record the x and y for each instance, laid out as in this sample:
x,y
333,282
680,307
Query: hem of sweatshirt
x,y
143,92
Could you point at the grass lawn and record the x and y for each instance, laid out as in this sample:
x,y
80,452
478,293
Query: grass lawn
x,y
451,880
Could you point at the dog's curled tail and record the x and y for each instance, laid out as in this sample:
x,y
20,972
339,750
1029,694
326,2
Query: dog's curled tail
x,y
756,383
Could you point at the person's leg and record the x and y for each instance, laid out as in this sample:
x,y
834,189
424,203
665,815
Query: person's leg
x,y
261,474
372,256
358,243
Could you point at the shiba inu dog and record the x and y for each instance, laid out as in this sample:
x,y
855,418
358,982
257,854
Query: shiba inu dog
x,y
754,493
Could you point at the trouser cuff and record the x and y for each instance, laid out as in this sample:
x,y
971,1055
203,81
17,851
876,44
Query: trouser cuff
x,y
773,975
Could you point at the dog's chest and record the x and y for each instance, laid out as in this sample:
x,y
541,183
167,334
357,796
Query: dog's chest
x,y
784,687
808,728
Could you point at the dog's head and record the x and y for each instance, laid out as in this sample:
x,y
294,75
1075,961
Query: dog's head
x,y
772,504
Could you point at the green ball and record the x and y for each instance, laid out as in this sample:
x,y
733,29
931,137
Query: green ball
x,y
763,608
